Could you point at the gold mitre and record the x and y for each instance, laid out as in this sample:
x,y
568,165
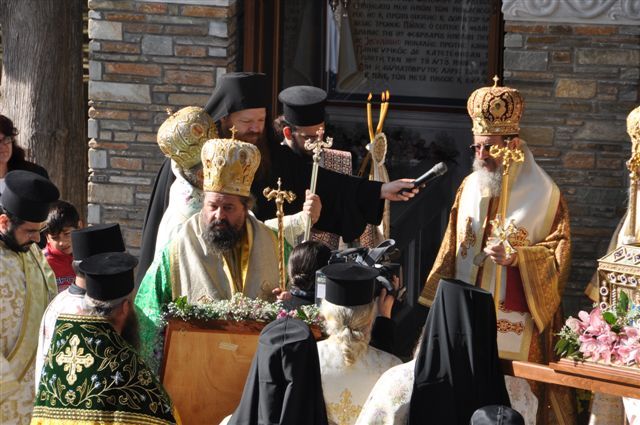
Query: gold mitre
x,y
182,135
229,166
633,125
495,110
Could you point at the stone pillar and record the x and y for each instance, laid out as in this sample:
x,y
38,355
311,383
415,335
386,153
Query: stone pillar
x,y
146,57
578,65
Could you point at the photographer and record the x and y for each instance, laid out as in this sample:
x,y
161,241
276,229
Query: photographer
x,y
310,256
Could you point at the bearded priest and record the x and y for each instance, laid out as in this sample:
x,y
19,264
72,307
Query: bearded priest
x,y
536,226
220,251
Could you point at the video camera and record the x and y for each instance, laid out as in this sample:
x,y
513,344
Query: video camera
x,y
380,258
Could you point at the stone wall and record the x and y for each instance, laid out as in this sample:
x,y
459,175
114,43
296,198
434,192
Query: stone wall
x,y
579,82
146,57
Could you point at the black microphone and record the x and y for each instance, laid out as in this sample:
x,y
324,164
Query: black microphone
x,y
436,171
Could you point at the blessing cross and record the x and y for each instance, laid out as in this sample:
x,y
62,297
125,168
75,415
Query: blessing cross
x,y
317,147
73,359
280,196
508,155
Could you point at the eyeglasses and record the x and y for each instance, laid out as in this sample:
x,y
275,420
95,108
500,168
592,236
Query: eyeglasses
x,y
6,140
480,146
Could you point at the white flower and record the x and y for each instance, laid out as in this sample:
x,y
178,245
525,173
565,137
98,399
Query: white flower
x,y
117,378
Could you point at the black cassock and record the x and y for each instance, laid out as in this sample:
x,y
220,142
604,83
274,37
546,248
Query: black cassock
x,y
348,203
283,385
457,369
158,203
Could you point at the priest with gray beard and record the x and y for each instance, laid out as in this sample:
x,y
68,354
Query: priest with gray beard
x,y
537,227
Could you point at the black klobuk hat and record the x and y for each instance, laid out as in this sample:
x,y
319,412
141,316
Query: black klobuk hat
x,y
28,195
303,105
349,284
109,275
96,240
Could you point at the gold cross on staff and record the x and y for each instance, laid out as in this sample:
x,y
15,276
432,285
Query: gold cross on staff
x,y
233,131
318,146
280,196
73,359
508,155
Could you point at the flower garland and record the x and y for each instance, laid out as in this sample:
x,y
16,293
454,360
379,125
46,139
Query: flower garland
x,y
611,335
239,308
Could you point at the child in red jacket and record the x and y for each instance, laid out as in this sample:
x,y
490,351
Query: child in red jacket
x,y
63,219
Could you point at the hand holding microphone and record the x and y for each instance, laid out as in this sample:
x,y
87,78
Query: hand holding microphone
x,y
436,171
405,189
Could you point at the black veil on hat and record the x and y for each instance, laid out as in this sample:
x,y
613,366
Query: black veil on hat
x,y
28,195
236,91
303,105
457,368
96,240
283,385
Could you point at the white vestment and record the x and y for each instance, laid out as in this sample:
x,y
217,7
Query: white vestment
x,y
346,388
64,303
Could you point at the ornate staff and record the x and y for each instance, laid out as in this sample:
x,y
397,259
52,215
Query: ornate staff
x,y
501,231
280,196
634,166
316,147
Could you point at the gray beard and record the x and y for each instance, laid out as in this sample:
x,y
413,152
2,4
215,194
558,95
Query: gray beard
x,y
489,181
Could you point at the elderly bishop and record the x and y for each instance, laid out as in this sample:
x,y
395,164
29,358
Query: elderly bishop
x,y
535,226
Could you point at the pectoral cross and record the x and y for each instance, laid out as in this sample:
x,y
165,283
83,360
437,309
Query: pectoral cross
x,y
317,147
280,196
73,359
508,155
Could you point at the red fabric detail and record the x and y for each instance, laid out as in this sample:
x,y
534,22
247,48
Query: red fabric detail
x,y
515,299
61,265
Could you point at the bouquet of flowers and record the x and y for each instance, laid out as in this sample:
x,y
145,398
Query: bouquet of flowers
x,y
240,308
611,335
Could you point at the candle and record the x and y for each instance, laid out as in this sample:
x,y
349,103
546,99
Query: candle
x,y
370,118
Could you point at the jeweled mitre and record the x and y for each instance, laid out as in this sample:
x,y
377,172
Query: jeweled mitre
x,y
633,125
183,134
495,110
229,166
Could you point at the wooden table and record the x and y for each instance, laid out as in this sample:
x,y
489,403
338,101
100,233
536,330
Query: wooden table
x,y
619,381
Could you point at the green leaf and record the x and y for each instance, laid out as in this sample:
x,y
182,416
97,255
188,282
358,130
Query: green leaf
x,y
561,346
623,302
609,317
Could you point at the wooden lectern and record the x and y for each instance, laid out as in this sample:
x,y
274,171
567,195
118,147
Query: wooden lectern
x,y
205,366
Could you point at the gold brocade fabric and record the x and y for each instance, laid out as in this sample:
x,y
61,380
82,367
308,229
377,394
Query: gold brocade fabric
x,y
27,284
445,263
237,261
543,267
